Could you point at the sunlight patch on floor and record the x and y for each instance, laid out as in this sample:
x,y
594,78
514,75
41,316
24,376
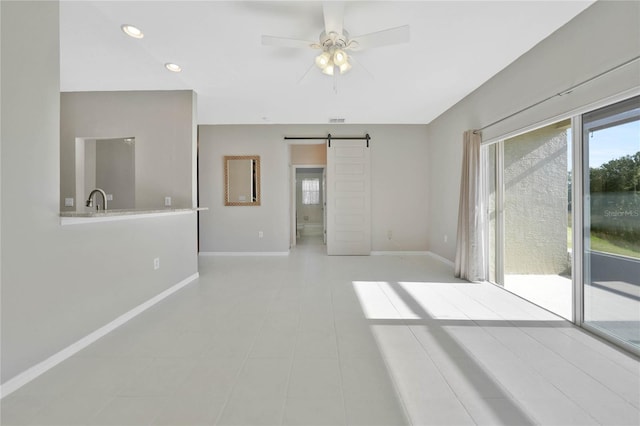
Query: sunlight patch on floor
x,y
552,292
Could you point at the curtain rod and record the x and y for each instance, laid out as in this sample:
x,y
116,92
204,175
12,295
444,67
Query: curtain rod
x,y
329,138
564,92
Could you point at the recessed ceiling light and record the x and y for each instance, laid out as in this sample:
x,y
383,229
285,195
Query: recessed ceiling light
x,y
172,67
132,31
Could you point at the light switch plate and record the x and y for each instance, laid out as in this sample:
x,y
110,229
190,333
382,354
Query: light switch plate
x,y
68,202
109,197
167,201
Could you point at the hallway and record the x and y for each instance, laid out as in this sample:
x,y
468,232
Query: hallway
x,y
308,339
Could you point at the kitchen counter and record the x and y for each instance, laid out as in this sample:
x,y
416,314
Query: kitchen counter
x,y
87,216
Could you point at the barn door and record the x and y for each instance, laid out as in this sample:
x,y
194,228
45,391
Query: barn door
x,y
348,198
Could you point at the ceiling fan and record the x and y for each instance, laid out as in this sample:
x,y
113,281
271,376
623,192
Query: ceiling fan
x,y
334,42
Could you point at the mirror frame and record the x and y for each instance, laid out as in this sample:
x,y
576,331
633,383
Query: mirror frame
x,y
255,158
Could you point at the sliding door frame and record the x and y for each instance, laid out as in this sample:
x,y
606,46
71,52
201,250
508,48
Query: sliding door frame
x,y
500,231
581,158
577,222
577,206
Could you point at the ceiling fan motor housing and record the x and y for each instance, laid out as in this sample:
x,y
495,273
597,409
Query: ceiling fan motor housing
x,y
334,39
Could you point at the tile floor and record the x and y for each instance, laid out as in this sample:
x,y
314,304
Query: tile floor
x,y
314,340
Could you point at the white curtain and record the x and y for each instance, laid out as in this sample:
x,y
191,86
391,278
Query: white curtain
x,y
471,241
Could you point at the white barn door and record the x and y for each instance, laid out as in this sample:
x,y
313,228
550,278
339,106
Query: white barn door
x,y
348,198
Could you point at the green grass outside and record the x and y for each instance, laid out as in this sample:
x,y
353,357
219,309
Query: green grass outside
x,y
608,246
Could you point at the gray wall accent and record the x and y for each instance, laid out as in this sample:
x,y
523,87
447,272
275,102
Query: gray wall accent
x,y
87,174
162,123
51,293
115,172
398,200
604,35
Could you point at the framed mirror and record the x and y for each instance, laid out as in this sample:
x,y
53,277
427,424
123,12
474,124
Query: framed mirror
x,y
242,180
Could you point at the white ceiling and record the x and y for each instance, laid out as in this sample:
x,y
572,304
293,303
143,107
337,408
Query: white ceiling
x,y
455,47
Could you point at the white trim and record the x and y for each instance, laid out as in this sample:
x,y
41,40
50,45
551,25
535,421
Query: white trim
x,y
244,253
111,217
28,375
441,259
399,253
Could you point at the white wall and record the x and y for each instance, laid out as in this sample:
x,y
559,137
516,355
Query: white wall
x,y
399,180
51,293
603,36
160,121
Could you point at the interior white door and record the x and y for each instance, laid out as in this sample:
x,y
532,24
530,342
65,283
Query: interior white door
x,y
348,198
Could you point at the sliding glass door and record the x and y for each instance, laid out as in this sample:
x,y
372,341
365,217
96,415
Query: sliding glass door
x,y
611,219
588,273
529,216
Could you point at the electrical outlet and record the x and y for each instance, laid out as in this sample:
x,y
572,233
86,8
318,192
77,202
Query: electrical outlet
x,y
260,234
68,202
156,263
109,197
167,201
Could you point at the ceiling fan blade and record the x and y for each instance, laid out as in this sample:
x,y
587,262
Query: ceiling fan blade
x,y
333,12
387,37
293,43
306,73
359,64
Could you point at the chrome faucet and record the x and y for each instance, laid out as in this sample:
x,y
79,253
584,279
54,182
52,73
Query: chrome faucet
x,y
89,202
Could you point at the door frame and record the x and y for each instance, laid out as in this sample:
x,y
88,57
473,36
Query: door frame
x,y
294,200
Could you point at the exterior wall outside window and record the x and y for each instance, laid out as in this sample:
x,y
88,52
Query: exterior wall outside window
x,y
536,202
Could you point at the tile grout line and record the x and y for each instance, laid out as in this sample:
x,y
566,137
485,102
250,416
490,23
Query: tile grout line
x,y
443,376
293,357
405,409
235,382
525,362
335,336
580,369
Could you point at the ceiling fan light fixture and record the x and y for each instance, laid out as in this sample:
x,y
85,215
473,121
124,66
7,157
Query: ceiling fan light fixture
x,y
323,60
345,67
328,70
340,57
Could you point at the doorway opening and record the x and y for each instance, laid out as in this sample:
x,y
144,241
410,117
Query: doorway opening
x,y
307,194
310,205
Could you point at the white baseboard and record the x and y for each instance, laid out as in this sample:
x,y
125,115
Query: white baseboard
x,y
441,259
399,253
244,253
28,375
